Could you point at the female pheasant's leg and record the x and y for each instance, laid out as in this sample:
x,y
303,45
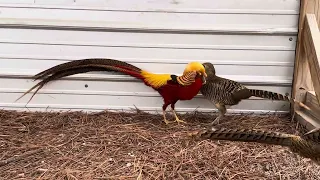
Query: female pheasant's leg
x,y
175,114
222,111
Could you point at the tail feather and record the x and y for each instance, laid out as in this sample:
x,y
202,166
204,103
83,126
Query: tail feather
x,y
86,62
268,95
275,96
245,135
308,147
83,66
54,77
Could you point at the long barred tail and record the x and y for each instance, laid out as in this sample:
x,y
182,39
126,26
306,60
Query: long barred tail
x,y
307,146
268,95
83,66
275,96
244,135
86,62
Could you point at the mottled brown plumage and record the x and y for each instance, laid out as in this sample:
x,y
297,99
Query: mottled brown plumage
x,y
221,92
307,146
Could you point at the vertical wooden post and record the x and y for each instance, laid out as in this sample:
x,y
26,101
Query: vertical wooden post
x,y
302,81
307,69
311,44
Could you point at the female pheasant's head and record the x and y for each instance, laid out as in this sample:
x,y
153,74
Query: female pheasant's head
x,y
210,70
198,68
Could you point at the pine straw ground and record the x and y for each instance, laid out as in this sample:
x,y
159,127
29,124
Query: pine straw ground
x,y
76,145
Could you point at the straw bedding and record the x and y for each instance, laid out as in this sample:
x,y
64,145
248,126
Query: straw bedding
x,y
138,145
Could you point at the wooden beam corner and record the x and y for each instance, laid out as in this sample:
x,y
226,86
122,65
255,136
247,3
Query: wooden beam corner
x,y
311,43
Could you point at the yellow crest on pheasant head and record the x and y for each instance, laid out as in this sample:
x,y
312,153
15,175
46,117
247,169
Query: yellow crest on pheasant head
x,y
197,67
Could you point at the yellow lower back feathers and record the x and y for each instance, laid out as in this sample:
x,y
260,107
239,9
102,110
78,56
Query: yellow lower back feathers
x,y
156,80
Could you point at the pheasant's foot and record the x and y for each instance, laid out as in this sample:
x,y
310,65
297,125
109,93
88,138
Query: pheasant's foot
x,y
216,121
166,121
175,115
179,121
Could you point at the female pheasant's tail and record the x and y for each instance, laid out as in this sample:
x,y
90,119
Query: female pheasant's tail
x,y
307,146
83,66
268,95
275,96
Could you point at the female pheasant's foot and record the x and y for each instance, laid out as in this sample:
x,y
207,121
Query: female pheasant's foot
x,y
216,121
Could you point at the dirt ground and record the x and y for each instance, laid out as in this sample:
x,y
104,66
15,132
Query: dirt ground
x,y
137,145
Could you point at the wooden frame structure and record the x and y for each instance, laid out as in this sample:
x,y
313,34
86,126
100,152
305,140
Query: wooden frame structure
x,y
306,82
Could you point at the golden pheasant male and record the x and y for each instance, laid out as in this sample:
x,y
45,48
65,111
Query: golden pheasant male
x,y
222,92
171,87
307,145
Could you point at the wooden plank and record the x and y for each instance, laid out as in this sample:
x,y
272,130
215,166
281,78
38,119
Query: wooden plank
x,y
302,79
310,119
312,103
311,44
306,120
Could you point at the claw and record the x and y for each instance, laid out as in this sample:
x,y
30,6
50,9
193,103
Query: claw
x,y
216,121
166,121
177,119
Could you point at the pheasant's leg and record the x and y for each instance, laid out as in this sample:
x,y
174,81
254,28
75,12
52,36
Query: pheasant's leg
x,y
175,114
164,107
164,117
222,111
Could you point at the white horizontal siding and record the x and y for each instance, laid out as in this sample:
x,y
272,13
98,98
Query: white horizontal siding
x,y
219,6
99,95
251,41
145,40
138,54
154,19
34,66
